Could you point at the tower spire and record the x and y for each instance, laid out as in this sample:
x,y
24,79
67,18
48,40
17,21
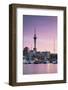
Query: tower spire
x,y
35,37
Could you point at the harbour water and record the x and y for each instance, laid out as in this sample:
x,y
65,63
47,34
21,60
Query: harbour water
x,y
39,68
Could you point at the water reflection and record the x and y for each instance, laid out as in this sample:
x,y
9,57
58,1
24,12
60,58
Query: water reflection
x,y
39,68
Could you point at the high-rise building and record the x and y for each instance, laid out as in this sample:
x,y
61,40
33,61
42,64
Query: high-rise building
x,y
35,38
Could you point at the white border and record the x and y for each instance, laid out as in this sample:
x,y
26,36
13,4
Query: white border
x,y
40,77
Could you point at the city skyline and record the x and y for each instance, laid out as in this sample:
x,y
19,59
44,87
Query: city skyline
x,y
46,32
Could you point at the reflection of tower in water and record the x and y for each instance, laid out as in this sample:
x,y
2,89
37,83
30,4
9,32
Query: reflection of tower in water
x,y
35,38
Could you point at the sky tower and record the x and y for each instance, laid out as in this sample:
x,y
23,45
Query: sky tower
x,y
35,37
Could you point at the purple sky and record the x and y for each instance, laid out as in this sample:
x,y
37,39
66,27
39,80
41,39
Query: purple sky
x,y
46,32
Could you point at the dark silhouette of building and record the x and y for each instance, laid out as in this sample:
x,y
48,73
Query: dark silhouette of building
x,y
25,51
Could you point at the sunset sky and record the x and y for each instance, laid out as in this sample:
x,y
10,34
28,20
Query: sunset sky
x,y
46,32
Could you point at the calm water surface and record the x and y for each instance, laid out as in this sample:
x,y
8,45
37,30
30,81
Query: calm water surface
x,y
39,68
